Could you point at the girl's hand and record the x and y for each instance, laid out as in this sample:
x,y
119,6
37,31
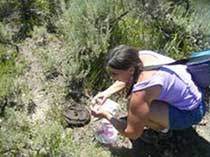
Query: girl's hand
x,y
100,98
98,112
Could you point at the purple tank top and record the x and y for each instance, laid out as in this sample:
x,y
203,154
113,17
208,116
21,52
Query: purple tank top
x,y
178,89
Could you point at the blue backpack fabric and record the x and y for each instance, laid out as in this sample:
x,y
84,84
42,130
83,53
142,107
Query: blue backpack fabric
x,y
199,67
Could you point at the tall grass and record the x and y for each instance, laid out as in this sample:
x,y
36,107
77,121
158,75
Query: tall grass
x,y
91,28
86,27
9,71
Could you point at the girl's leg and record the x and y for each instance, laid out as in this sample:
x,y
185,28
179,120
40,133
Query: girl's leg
x,y
163,115
159,116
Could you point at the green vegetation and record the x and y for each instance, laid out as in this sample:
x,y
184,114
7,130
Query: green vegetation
x,y
10,67
68,40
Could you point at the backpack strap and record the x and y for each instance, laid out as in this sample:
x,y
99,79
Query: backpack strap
x,y
185,61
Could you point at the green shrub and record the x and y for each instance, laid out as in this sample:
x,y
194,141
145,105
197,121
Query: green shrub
x,y
9,70
86,27
91,28
19,136
22,16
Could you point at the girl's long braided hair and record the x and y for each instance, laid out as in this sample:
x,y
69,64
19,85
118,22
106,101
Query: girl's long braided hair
x,y
123,57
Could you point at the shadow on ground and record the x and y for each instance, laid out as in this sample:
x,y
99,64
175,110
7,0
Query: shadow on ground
x,y
184,143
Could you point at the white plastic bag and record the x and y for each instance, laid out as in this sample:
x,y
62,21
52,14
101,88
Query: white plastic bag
x,y
105,132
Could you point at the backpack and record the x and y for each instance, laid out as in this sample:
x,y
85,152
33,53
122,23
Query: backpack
x,y
198,65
